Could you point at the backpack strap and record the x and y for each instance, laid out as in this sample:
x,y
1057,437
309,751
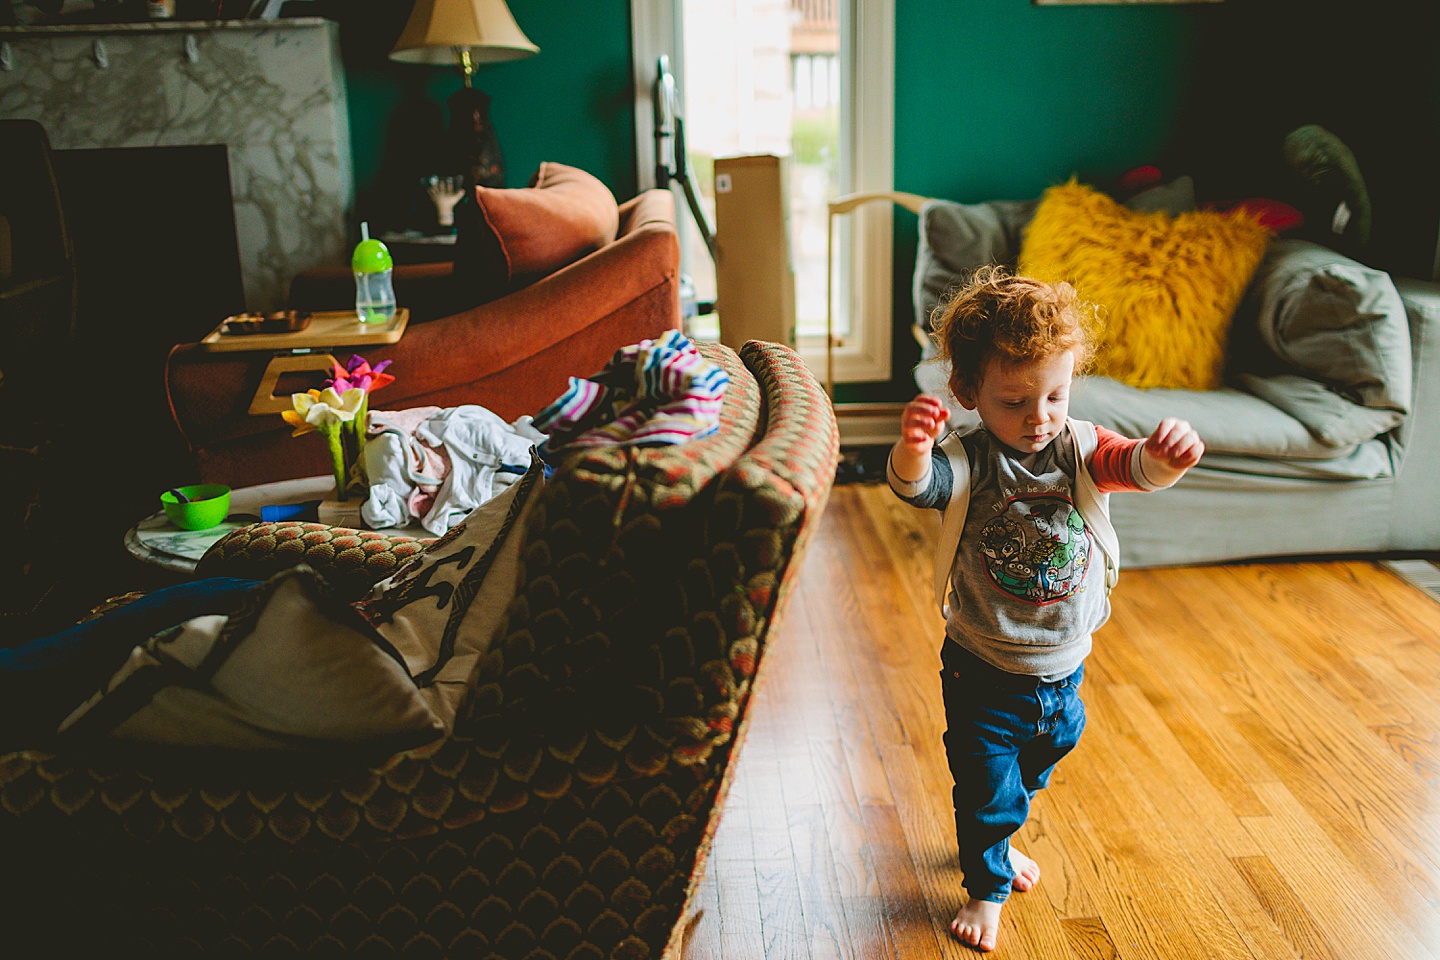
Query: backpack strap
x,y
954,523
1094,506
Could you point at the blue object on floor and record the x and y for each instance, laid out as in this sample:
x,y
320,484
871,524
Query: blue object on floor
x,y
44,679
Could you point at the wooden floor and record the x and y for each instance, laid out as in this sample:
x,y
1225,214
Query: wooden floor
x,y
1260,774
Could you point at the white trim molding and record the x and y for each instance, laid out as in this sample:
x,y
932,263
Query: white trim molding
x,y
654,31
864,268
867,97
868,424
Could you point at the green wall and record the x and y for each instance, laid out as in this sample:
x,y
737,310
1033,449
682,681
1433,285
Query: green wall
x,y
999,99
994,99
571,103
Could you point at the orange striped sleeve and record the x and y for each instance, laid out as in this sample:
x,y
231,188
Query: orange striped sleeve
x,y
1113,465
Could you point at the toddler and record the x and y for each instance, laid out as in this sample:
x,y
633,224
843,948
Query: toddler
x,y
1027,556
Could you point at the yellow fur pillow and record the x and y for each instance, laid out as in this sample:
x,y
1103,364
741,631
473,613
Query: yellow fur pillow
x,y
1167,287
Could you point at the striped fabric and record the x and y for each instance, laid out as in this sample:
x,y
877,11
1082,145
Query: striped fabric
x,y
653,392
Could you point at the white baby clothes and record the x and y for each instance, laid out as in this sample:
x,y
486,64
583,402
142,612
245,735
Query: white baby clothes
x,y
436,465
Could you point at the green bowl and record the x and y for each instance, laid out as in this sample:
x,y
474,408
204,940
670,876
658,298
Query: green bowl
x,y
209,504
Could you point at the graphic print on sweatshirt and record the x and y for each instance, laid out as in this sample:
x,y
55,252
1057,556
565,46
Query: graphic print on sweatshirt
x,y
1037,549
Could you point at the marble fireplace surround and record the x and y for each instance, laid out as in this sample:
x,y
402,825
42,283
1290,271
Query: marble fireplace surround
x,y
272,91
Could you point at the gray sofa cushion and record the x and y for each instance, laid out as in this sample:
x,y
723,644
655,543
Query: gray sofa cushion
x,y
1320,344
1230,421
1336,342
955,238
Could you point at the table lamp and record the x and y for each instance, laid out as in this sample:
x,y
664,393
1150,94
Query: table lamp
x,y
466,33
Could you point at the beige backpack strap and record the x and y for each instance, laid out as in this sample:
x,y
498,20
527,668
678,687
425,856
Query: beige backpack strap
x,y
1092,504
954,523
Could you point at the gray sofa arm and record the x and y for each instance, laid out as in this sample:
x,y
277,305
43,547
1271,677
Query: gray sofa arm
x,y
1419,436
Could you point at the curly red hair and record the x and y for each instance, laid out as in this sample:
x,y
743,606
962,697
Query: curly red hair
x,y
1012,318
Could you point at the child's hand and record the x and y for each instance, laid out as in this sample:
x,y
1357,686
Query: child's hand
x,y
922,423
1175,446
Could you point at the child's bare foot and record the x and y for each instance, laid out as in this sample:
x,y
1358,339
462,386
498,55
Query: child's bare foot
x,y
977,924
1027,871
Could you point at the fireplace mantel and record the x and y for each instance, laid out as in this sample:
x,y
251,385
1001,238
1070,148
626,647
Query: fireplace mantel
x,y
272,91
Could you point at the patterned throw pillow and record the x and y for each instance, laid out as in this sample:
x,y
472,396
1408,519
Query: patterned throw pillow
x,y
291,669
1167,287
442,609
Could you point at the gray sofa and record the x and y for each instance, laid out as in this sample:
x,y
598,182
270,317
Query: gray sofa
x,y
1324,439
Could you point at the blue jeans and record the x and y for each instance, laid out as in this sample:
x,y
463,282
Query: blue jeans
x,y
1005,733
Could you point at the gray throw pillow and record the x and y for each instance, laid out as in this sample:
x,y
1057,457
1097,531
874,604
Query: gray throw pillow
x,y
1335,322
955,238
1173,198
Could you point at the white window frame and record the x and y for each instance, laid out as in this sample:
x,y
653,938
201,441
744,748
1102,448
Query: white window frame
x,y
868,166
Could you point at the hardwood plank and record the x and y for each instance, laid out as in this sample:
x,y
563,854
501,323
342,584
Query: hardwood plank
x,y
830,643
821,904
1204,826
782,917
907,914
1410,724
1285,908
738,908
1089,939
1151,896
1363,916
1258,779
1353,816
1196,812
1064,881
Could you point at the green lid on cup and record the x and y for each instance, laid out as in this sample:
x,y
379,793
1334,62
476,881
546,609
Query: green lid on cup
x,y
371,256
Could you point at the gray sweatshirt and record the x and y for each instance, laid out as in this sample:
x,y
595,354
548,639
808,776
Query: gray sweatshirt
x,y
1028,586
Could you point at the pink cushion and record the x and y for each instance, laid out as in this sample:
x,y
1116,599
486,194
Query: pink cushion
x,y
560,217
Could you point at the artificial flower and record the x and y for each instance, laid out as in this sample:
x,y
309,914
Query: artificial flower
x,y
339,412
296,417
317,409
358,373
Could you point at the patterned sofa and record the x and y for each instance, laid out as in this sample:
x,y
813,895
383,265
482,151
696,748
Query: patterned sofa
x,y
567,815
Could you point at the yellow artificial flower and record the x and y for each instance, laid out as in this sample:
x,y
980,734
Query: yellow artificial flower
x,y
322,409
296,417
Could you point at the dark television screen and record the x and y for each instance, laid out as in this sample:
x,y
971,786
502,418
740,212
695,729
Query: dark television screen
x,y
156,257
156,264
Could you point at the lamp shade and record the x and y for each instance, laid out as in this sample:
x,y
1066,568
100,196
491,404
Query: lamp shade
x,y
438,29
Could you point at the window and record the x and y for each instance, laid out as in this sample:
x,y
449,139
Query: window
x,y
811,79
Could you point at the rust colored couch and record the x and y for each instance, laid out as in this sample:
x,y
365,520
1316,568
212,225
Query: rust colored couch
x,y
512,355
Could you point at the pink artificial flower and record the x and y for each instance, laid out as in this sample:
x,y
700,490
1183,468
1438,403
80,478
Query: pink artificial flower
x,y
358,373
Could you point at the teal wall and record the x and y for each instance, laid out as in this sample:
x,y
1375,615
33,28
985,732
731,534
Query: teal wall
x,y
571,103
994,99
999,99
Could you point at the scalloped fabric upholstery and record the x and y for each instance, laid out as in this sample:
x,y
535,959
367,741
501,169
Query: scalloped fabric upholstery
x,y
568,813
352,560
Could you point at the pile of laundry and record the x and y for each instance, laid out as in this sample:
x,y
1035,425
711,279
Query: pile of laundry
x,y
653,392
435,465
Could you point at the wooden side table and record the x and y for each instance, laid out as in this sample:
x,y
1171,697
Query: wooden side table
x,y
303,350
